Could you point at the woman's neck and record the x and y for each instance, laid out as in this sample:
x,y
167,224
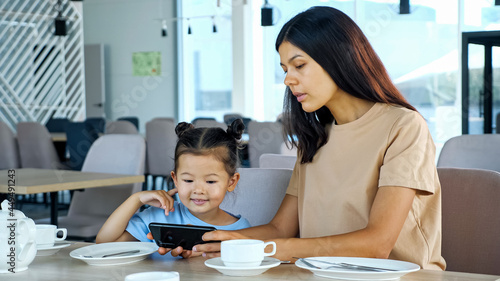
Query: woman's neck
x,y
347,108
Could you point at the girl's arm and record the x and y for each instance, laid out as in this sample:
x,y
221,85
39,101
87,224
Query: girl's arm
x,y
114,228
387,216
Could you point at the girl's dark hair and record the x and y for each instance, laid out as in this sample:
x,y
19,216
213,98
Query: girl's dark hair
x,y
339,46
223,145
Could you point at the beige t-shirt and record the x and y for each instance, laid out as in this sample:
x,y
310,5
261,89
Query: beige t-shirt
x,y
387,146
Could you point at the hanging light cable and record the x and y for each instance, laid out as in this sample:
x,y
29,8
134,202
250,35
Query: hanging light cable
x,y
189,27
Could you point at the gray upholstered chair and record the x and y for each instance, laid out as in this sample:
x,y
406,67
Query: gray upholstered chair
x,y
202,123
263,137
120,127
280,161
258,194
471,151
36,148
160,148
89,209
471,228
9,151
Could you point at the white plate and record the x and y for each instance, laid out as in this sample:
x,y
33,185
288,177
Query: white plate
x,y
47,251
242,271
401,268
98,250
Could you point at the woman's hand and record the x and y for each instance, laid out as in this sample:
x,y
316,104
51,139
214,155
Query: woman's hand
x,y
159,198
212,250
179,251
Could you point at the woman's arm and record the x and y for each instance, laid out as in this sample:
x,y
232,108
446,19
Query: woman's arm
x,y
114,228
388,214
285,224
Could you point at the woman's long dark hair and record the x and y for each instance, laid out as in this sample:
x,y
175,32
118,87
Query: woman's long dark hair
x,y
339,46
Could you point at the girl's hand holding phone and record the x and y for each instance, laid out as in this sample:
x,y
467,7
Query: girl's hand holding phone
x,y
159,198
179,251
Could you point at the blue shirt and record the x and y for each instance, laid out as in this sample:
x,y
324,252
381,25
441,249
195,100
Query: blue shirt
x,y
138,224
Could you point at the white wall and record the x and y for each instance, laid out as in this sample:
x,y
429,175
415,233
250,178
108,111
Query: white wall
x,y
125,27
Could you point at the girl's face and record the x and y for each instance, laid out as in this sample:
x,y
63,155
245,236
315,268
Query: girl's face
x,y
308,81
202,182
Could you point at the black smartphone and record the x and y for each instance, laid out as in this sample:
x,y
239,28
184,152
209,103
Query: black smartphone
x,y
169,235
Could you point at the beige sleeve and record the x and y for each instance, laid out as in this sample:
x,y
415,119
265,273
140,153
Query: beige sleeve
x,y
293,186
410,157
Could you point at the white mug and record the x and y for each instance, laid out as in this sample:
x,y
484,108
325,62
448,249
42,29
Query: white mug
x,y
244,252
46,235
153,276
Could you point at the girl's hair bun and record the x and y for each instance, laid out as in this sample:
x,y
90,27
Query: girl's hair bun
x,y
236,129
182,127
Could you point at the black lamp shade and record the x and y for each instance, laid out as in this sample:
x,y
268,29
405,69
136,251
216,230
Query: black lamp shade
x,y
404,7
60,25
266,14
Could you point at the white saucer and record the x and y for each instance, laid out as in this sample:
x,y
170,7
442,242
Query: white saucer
x,y
242,271
399,268
93,254
47,251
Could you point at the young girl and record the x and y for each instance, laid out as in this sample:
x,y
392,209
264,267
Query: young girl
x,y
365,183
205,169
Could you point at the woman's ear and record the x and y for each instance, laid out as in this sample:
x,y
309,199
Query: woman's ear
x,y
233,181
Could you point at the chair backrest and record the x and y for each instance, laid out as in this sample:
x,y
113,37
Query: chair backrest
x,y
115,154
471,151
57,125
263,137
98,123
79,137
9,151
121,127
132,119
471,228
209,123
258,195
230,117
160,146
279,161
36,148
498,123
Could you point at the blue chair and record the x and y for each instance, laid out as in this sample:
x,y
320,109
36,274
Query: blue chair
x,y
131,119
57,125
80,137
98,124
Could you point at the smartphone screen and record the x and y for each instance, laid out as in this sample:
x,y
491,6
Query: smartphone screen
x,y
174,235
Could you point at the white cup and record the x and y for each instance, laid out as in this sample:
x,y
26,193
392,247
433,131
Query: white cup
x,y
244,252
153,276
46,235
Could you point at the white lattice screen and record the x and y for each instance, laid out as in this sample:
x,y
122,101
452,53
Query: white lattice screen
x,y
41,75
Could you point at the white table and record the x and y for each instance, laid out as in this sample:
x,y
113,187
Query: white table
x,y
31,181
62,267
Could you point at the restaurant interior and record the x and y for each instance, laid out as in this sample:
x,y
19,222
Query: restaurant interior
x,y
84,81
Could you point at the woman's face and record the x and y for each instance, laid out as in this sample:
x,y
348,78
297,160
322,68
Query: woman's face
x,y
308,81
202,182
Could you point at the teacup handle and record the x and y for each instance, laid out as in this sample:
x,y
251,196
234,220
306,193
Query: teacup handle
x,y
64,234
274,248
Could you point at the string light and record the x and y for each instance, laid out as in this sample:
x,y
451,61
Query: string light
x,y
60,21
164,32
214,28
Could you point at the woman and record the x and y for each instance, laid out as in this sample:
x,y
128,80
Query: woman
x,y
365,183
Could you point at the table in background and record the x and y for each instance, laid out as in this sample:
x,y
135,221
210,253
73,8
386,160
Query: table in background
x,y
31,181
62,267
